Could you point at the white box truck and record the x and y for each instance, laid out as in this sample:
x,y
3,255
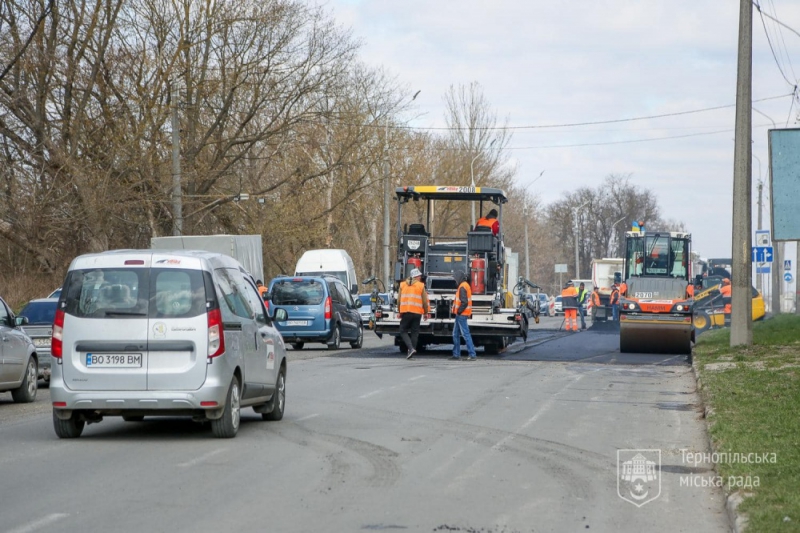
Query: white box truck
x,y
244,248
326,261
603,272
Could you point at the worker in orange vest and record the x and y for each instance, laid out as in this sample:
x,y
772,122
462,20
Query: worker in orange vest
x,y
690,291
490,221
262,290
595,302
569,303
614,301
462,309
413,305
725,291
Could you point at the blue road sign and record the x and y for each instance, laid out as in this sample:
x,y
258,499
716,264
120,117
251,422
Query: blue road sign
x,y
762,238
787,277
787,264
762,254
763,269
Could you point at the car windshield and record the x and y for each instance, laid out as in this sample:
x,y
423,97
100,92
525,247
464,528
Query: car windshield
x,y
40,312
297,292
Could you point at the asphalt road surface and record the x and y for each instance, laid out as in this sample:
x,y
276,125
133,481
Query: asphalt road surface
x,y
524,441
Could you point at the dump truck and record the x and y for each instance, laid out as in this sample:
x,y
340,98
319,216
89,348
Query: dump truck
x,y
656,313
438,250
604,273
244,248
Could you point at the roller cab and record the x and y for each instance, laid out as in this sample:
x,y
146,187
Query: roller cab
x,y
656,312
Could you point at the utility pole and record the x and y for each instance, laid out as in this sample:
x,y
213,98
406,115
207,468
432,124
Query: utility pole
x,y
759,285
177,201
577,228
577,238
527,256
741,301
387,275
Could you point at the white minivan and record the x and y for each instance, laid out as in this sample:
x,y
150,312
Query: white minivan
x,y
332,262
158,332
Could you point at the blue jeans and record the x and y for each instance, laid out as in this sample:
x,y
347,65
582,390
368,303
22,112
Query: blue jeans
x,y
461,329
615,312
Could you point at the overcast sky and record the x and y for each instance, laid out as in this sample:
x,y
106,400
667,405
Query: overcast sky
x,y
564,62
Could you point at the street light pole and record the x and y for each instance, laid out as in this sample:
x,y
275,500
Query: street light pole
x,y
525,216
472,179
577,238
386,263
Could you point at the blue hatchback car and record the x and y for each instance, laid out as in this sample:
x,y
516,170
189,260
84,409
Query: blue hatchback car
x,y
320,309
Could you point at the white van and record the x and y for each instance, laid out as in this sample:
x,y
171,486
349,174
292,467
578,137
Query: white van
x,y
163,333
333,262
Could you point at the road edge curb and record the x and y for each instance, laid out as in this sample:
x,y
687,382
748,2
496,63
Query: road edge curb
x,y
736,520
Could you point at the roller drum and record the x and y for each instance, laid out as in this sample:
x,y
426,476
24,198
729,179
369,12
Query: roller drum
x,y
655,338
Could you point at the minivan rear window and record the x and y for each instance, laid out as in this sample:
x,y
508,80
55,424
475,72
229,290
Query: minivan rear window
x,y
134,293
297,292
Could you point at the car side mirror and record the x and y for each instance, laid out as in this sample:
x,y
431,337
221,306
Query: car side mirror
x,y
354,288
20,321
358,303
280,315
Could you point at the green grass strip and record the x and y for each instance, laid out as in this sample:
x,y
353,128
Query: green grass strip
x,y
755,396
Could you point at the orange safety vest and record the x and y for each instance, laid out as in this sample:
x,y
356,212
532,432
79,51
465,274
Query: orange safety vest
x,y
725,291
569,298
623,289
488,222
262,289
411,300
457,301
690,290
596,299
614,296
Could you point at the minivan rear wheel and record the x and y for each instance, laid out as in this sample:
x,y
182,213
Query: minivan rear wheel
x,y
68,429
356,344
336,339
278,399
227,425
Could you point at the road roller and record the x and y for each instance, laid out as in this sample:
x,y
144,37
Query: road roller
x,y
655,313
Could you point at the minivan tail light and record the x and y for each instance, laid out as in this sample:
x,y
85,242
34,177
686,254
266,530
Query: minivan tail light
x,y
328,308
216,337
56,344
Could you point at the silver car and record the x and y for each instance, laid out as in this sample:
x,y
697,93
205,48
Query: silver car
x,y
40,314
18,359
141,332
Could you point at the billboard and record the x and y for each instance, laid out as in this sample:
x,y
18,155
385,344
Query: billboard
x,y
784,157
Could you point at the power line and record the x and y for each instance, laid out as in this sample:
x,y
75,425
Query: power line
x,y
575,124
771,49
755,3
783,40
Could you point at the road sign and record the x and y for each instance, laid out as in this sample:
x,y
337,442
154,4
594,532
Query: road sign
x,y
763,269
561,268
787,277
762,238
762,254
787,265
